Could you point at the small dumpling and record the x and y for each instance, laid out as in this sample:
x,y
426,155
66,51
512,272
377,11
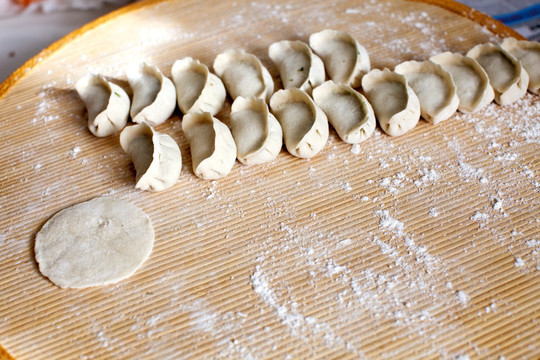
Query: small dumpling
x,y
256,131
347,110
394,102
197,89
304,124
528,53
506,74
154,95
156,157
107,104
472,83
244,75
434,88
213,151
345,60
298,66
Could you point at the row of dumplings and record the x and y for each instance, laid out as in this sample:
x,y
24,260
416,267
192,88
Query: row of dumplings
x,y
297,115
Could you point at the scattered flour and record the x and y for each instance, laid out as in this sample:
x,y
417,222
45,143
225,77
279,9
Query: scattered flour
x,y
463,297
72,154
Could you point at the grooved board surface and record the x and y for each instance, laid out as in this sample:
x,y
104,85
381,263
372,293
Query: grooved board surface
x,y
422,246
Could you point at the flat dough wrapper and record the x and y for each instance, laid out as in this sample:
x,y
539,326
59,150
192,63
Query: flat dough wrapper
x,y
304,124
256,131
197,89
528,53
506,74
434,88
347,110
156,157
154,95
472,82
298,66
98,242
345,60
394,102
213,150
244,75
107,104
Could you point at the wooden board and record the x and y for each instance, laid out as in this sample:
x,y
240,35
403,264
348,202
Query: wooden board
x,y
422,246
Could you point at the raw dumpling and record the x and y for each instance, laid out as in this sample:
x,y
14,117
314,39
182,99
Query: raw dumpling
x,y
395,104
528,53
154,96
213,151
197,89
298,66
156,157
244,75
256,131
304,124
107,104
434,88
506,74
472,83
345,60
347,110
97,242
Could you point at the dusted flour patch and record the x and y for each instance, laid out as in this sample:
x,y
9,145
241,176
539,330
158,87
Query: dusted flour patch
x,y
98,242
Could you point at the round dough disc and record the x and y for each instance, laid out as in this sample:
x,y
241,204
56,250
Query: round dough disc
x,y
98,242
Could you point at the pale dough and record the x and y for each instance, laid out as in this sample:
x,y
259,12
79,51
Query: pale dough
x,y
98,242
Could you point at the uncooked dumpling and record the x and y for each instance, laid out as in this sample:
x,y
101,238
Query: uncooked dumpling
x,y
256,131
298,66
156,157
154,95
472,83
244,75
394,102
107,104
197,89
528,53
213,151
434,88
304,124
345,60
347,110
506,74
98,242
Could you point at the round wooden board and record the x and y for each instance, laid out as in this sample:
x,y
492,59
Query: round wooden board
x,y
422,246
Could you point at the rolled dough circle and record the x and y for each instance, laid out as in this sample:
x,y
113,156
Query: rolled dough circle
x,y
98,242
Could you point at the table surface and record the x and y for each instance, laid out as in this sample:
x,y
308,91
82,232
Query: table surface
x,y
426,245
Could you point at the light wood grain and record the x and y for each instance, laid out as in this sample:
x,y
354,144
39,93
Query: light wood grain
x,y
395,249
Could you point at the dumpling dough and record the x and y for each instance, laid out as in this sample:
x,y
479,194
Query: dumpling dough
x,y
395,104
506,74
98,242
434,88
298,66
347,110
528,53
304,124
256,131
345,60
472,83
154,95
244,75
156,157
107,104
197,89
213,151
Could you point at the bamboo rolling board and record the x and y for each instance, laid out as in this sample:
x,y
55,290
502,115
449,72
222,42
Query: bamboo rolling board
x,y
422,246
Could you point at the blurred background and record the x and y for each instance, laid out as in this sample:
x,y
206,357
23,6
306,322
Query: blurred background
x,y
28,26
